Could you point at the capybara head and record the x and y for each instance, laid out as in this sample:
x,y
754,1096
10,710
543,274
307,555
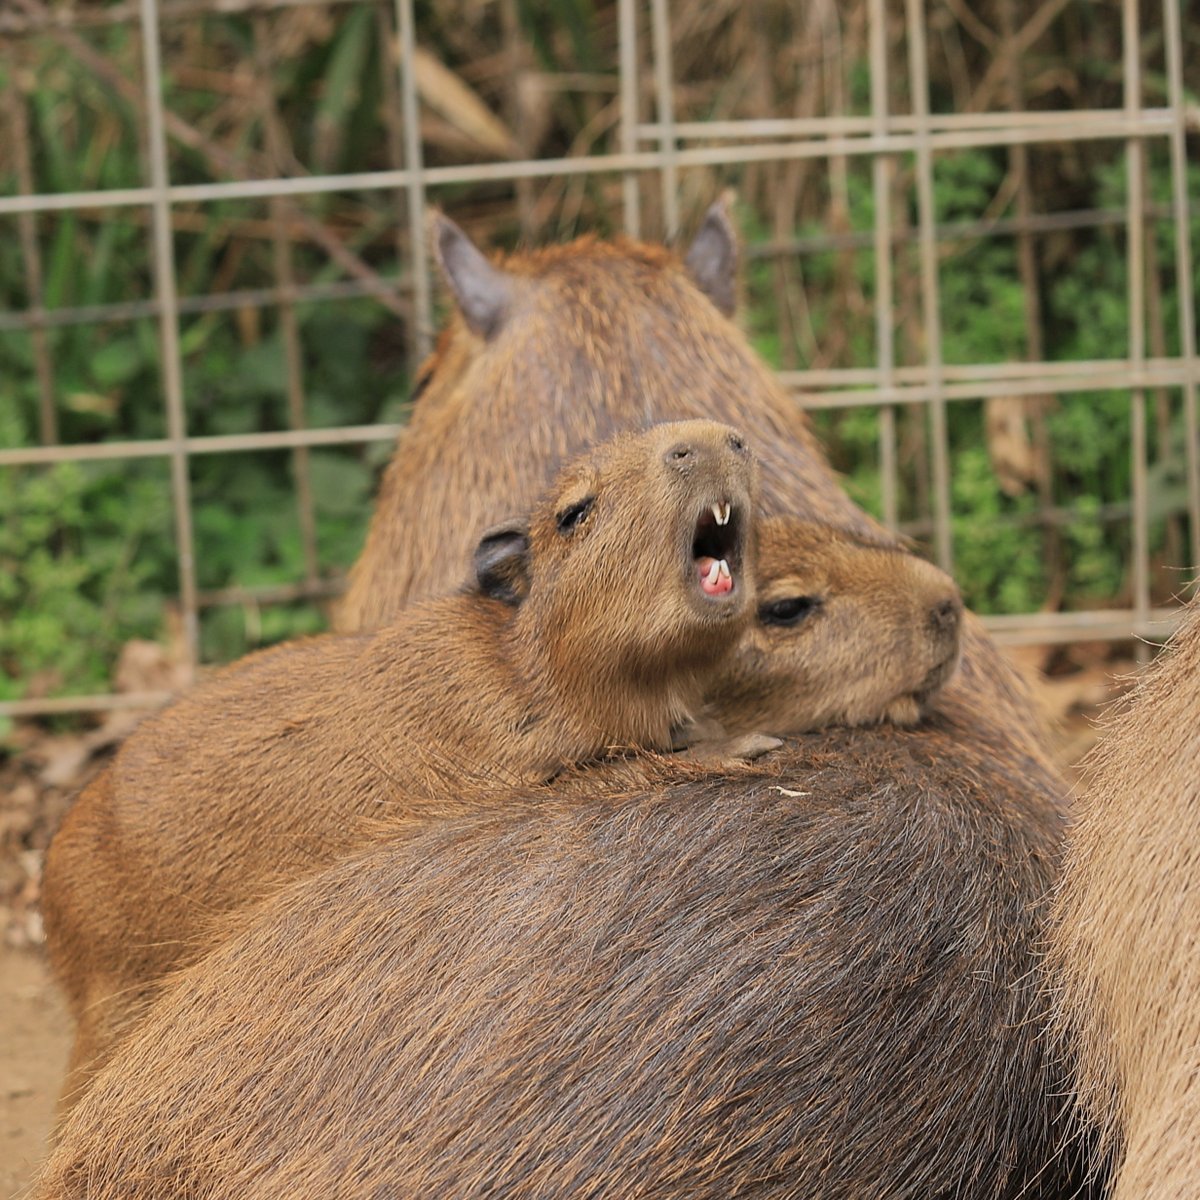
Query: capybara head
x,y
638,556
848,631
550,352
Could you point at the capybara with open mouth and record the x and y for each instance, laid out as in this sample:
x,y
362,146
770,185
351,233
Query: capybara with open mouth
x,y
599,622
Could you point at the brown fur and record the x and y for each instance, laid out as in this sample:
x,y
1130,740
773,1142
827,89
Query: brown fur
x,y
813,978
1126,936
265,768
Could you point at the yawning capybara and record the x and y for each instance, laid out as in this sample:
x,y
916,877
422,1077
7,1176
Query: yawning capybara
x,y
599,622
1126,932
708,986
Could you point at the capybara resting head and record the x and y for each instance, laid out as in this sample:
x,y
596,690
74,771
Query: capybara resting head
x,y
849,631
815,977
1125,939
639,559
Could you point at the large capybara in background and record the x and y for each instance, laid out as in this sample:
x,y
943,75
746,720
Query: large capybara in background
x,y
1125,946
547,354
552,350
814,977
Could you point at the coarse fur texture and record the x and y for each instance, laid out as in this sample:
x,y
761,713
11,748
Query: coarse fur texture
x,y
1125,945
695,985
265,768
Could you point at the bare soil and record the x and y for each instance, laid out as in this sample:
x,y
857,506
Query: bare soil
x,y
39,780
34,1038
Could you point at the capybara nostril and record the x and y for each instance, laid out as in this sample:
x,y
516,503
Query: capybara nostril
x,y
945,616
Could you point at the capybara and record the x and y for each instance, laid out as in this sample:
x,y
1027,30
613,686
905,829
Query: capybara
x,y
850,631
598,622
552,350
812,977
1125,946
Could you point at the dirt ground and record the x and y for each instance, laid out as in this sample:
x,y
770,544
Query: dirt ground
x,y
36,786
33,1051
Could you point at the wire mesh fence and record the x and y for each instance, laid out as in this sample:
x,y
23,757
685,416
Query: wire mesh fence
x,y
657,156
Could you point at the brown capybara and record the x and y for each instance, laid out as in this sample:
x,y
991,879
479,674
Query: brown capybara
x,y
1125,945
850,630
552,350
597,623
814,977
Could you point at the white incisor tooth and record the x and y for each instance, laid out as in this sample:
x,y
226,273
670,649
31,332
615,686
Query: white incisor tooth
x,y
723,567
725,511
714,573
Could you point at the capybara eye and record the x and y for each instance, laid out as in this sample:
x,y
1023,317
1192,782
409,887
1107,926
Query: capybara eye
x,y
573,514
681,452
791,611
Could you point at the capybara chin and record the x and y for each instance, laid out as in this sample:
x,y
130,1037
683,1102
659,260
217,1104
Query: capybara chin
x,y
599,622
849,630
693,989
1125,938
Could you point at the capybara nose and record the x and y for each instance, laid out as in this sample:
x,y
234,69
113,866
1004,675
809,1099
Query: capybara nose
x,y
945,616
694,451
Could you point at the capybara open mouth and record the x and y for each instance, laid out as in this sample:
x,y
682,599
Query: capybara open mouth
x,y
717,548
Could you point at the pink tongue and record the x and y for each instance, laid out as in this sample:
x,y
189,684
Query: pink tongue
x,y
724,583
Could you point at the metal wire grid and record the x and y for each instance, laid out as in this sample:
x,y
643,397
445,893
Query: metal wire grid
x,y
665,147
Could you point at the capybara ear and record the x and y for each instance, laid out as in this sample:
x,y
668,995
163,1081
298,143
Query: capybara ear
x,y
712,258
502,562
483,292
